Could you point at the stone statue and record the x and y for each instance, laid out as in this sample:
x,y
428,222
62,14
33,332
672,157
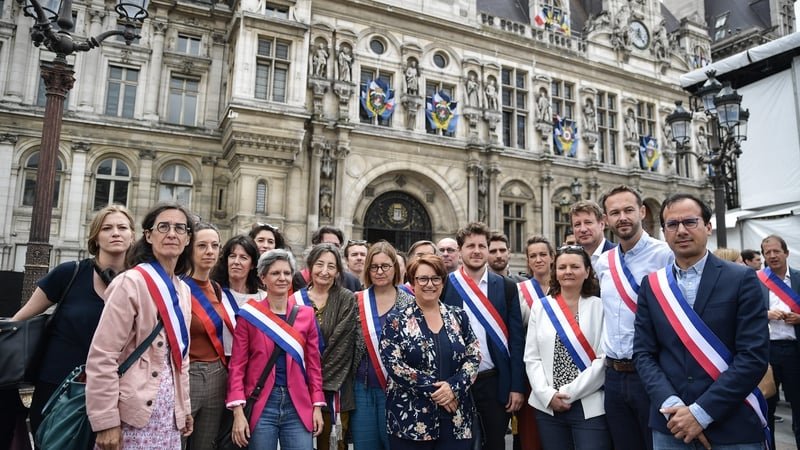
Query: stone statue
x,y
630,127
473,98
491,94
702,142
412,78
621,34
320,61
589,116
544,111
325,206
345,61
661,43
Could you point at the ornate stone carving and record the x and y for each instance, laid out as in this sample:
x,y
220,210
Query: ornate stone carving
x,y
8,138
147,153
80,146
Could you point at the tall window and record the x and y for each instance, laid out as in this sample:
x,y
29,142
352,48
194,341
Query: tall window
x,y
514,225
183,94
607,127
111,185
515,106
561,205
29,188
175,184
563,98
432,87
261,197
121,92
368,74
188,44
272,69
646,119
720,29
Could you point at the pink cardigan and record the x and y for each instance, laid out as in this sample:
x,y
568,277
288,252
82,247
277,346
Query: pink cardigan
x,y
129,316
251,351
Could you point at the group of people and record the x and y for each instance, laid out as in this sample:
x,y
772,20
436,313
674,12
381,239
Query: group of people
x,y
637,345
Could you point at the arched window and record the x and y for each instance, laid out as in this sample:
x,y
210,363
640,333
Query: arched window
x,y
111,185
29,189
175,184
261,197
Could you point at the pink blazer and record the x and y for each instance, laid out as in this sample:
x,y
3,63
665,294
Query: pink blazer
x,y
251,350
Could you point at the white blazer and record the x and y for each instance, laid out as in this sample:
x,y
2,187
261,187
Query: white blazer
x,y
539,353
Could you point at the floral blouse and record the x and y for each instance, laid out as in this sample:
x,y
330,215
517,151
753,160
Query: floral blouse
x,y
410,358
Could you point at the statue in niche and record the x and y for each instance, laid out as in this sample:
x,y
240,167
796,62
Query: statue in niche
x,y
412,78
345,61
589,116
702,142
491,94
544,111
621,34
473,97
325,205
661,43
320,61
630,127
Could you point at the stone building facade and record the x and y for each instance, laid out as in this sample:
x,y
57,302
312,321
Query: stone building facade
x,y
251,111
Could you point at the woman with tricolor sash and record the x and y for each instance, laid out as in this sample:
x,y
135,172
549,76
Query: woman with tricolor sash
x,y
288,409
148,407
431,356
564,358
335,311
208,375
381,278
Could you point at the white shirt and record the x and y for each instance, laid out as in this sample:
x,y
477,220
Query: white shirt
x,y
778,329
597,253
647,255
477,327
241,299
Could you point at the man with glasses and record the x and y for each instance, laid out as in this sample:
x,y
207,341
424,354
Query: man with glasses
x,y
701,341
448,248
620,270
492,305
588,226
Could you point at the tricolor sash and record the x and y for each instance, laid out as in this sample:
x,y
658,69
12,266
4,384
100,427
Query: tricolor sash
x,y
231,307
162,289
280,332
301,298
482,308
568,331
371,329
701,342
211,320
530,290
407,287
780,289
627,287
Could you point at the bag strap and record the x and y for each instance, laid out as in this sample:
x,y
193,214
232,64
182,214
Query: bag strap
x,y
137,353
51,323
273,358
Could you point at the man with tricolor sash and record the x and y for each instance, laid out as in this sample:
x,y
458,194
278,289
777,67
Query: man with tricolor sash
x,y
701,341
620,270
492,305
781,286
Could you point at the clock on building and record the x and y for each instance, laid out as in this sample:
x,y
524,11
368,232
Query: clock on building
x,y
640,37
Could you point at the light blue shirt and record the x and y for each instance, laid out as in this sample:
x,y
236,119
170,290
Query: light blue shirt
x,y
647,255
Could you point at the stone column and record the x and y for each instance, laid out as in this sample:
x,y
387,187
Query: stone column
x,y
342,151
21,53
87,87
72,224
493,194
547,206
7,142
147,192
317,148
473,172
214,93
153,87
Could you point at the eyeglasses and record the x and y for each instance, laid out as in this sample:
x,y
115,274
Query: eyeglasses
x,y
383,268
690,224
164,227
570,249
425,280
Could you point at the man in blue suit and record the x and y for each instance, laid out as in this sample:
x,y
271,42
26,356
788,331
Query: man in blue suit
x,y
781,287
725,301
492,305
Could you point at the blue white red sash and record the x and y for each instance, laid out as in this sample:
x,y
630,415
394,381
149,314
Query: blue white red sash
x,y
212,322
301,298
407,287
162,289
230,305
530,290
371,329
482,308
569,331
701,342
281,333
780,289
627,287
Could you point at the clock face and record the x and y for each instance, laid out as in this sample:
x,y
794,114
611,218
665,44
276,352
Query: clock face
x,y
640,37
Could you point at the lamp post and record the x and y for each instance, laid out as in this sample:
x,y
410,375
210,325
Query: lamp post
x,y
577,189
51,30
728,127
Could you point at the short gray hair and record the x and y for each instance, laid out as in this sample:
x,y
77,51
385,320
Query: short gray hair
x,y
267,259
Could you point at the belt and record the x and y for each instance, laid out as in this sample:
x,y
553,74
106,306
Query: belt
x,y
620,365
486,374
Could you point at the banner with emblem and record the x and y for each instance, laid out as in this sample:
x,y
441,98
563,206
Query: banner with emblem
x,y
377,99
441,112
565,136
649,155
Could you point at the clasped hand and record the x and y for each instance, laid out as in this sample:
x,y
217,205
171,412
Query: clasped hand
x,y
444,396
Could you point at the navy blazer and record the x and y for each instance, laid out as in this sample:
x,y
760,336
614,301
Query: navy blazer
x,y
511,372
794,278
608,245
730,301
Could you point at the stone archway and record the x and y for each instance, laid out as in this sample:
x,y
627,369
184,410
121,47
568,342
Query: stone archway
x,y
398,218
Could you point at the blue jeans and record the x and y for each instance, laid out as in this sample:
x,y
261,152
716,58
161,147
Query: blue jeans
x,y
279,421
368,420
663,441
569,430
627,411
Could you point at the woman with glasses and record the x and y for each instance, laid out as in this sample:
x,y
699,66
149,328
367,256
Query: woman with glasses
x,y
287,409
564,357
381,277
335,311
267,237
148,407
431,356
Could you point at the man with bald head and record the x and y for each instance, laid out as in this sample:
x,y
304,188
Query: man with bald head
x,y
448,249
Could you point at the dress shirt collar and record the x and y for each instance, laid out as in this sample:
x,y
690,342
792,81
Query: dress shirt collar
x,y
695,269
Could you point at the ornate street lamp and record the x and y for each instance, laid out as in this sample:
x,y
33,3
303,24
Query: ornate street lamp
x,y
728,126
577,189
51,30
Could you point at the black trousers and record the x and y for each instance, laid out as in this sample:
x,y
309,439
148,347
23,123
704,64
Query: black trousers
x,y
493,415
